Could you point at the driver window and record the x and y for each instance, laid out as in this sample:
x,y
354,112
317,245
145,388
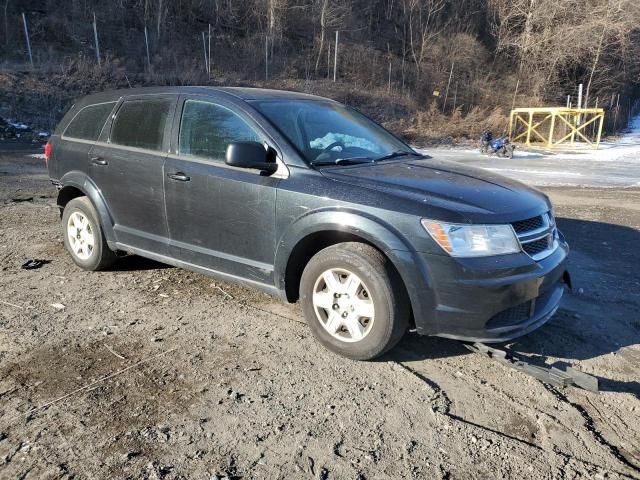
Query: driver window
x,y
206,129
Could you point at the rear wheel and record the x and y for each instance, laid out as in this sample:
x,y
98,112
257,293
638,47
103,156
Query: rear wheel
x,y
354,300
83,237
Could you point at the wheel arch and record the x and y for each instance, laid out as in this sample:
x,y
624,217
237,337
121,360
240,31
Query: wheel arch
x,y
318,231
77,184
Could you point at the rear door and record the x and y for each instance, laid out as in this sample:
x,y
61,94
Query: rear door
x,y
127,167
220,217
77,139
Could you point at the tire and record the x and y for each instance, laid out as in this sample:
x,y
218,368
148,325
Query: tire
x,y
509,152
83,237
372,312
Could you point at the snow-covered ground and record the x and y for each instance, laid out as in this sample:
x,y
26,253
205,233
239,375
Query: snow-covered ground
x,y
614,164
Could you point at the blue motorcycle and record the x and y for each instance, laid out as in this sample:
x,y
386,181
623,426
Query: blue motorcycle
x,y
501,146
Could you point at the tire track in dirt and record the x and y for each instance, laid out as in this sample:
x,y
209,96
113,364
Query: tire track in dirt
x,y
589,425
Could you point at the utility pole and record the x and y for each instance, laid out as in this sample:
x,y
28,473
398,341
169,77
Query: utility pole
x,y
209,50
95,36
455,98
568,101
266,57
335,58
515,94
389,86
444,104
204,48
26,35
328,60
146,42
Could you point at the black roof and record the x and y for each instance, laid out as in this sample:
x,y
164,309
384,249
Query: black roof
x,y
243,93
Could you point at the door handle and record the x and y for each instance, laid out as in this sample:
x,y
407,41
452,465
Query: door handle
x,y
99,161
181,177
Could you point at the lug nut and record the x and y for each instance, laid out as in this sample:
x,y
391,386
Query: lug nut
x,y
336,306
344,314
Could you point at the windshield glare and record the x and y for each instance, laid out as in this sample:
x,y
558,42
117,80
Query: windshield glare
x,y
327,132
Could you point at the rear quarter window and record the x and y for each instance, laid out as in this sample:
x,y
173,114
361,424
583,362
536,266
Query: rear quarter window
x,y
141,123
88,122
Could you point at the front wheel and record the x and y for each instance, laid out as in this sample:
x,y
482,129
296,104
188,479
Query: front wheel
x,y
509,152
83,236
354,300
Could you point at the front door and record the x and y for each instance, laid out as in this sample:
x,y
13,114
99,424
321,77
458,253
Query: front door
x,y
128,169
220,217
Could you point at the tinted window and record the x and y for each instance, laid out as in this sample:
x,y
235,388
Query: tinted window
x,y
140,123
88,123
206,130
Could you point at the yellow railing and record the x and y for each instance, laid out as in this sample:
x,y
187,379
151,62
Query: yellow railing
x,y
556,125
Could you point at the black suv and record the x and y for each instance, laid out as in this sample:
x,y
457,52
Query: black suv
x,y
307,199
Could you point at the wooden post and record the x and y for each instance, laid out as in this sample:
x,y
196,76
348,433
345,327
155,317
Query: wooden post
x,y
95,37
335,58
529,125
146,42
551,128
328,60
209,50
444,104
389,85
204,47
599,130
26,36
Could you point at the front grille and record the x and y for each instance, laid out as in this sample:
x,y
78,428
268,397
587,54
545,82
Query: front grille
x,y
524,226
537,246
537,235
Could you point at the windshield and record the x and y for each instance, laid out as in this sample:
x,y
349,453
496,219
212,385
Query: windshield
x,y
330,133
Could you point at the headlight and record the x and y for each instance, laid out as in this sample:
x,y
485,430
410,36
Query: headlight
x,y
473,240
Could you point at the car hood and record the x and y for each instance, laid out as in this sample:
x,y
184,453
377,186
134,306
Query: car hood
x,y
453,190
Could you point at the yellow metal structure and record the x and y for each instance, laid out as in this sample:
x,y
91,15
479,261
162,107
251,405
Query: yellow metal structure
x,y
556,125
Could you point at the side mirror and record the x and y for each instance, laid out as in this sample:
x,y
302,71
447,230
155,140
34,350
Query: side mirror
x,y
250,155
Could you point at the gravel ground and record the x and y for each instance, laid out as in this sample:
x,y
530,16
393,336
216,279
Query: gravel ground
x,y
147,371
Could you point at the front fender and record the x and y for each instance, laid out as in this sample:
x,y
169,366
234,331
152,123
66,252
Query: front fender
x,y
372,230
82,182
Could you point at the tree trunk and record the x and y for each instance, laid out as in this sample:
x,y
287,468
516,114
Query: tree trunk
x,y
323,28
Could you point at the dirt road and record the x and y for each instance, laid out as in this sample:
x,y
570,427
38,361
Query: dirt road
x,y
147,371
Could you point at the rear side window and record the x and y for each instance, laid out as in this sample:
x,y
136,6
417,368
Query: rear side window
x,y
206,129
141,123
88,122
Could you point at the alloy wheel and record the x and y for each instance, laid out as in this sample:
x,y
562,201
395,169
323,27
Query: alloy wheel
x,y
343,305
81,235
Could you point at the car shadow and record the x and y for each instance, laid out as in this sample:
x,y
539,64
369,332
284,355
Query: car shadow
x,y
599,318
132,263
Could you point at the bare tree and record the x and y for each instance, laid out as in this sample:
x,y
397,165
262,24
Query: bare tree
x,y
332,14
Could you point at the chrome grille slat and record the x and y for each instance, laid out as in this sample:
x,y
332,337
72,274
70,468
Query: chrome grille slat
x,y
537,235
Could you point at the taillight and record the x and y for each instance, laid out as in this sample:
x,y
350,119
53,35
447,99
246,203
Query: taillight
x,y
47,153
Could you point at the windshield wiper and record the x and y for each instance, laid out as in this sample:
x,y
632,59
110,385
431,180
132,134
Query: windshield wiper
x,y
397,153
344,161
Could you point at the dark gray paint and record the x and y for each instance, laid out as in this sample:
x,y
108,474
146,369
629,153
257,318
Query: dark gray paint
x,y
242,226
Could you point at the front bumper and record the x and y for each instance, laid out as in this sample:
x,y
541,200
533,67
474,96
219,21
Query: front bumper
x,y
490,299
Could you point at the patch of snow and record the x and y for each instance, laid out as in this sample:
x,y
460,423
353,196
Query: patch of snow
x,y
37,155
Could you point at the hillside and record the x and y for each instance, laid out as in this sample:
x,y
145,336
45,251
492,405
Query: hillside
x,y
427,68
